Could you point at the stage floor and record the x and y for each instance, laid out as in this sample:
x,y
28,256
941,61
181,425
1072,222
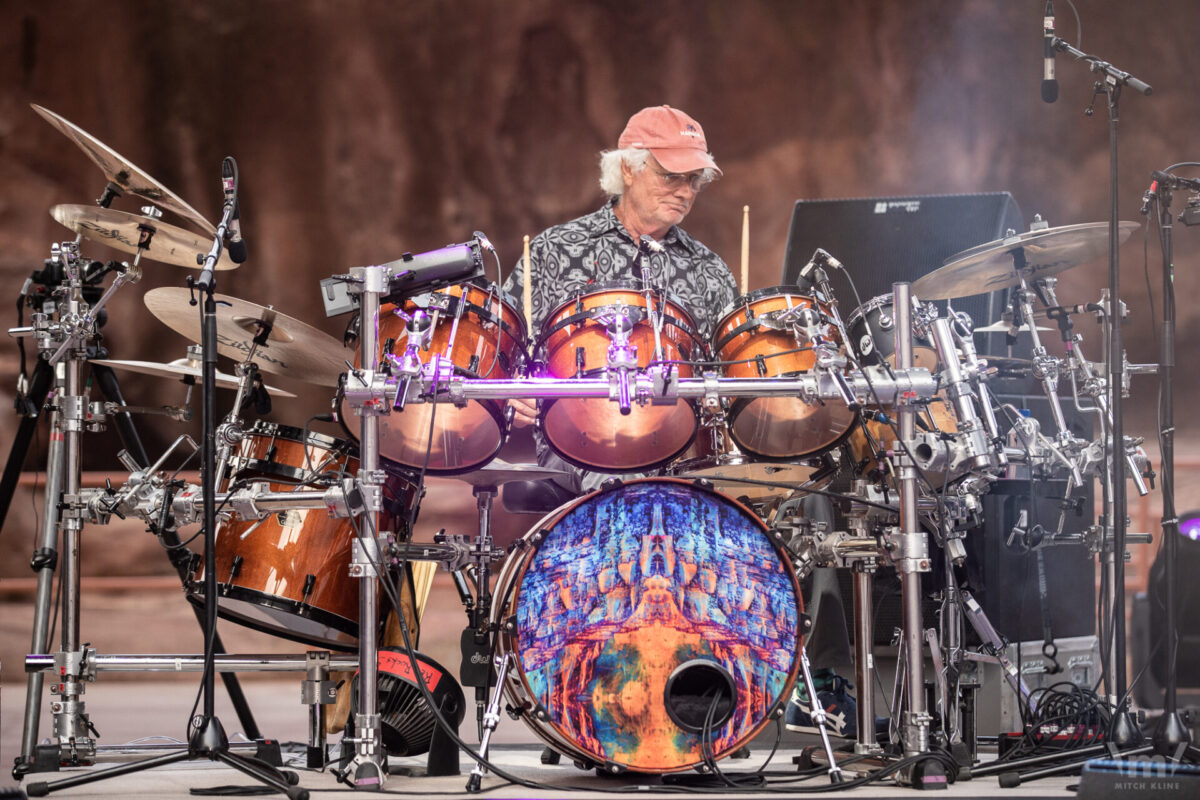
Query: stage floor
x,y
155,711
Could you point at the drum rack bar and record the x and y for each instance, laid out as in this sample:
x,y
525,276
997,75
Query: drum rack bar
x,y
915,382
338,662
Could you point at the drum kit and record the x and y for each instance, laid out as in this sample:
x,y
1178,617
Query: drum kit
x,y
654,625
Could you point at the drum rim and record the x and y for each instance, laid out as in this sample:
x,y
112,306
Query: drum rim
x,y
753,297
507,301
620,284
586,315
274,471
277,603
659,464
509,592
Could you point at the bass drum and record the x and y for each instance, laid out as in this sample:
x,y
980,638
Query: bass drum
x,y
627,607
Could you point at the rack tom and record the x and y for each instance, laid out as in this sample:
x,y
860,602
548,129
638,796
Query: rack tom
x,y
576,336
760,337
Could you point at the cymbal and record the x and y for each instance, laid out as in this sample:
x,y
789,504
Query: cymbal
x,y
121,172
497,472
123,231
184,369
989,266
293,349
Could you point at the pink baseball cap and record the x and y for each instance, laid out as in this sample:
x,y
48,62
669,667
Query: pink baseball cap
x,y
672,137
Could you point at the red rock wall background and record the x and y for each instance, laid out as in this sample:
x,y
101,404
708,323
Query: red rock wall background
x,y
366,129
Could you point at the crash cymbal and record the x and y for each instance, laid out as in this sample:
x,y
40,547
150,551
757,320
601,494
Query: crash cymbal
x,y
124,174
293,349
167,245
497,472
990,266
185,369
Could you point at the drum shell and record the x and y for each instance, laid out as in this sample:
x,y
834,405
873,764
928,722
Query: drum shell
x,y
488,342
263,566
776,428
624,623
592,433
876,318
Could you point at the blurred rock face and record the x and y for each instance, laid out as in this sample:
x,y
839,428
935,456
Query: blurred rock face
x,y
367,129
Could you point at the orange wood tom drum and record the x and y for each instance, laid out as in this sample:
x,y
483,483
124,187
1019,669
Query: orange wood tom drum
x,y
288,573
783,428
592,433
483,336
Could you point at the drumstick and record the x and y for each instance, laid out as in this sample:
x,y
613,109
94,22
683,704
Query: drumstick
x,y
745,249
423,572
527,296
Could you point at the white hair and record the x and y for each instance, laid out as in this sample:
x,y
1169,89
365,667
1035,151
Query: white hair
x,y
611,180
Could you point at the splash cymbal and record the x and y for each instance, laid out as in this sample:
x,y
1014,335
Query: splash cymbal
x,y
167,244
124,174
993,265
293,348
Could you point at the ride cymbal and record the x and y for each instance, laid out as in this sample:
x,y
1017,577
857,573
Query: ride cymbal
x,y
993,265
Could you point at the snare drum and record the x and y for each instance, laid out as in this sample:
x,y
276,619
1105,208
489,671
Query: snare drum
x,y
288,573
628,605
755,337
481,333
592,433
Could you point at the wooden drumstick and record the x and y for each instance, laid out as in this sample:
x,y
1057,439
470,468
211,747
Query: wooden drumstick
x,y
527,294
745,249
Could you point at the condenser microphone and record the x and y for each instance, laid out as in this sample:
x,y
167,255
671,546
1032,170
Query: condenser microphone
x,y
1049,82
237,245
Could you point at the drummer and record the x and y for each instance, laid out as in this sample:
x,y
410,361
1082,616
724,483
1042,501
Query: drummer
x,y
652,180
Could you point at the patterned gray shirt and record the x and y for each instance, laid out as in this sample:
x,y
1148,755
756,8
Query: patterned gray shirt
x,y
596,248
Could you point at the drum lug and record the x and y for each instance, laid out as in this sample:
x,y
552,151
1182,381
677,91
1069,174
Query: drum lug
x,y
611,484
610,768
510,625
235,568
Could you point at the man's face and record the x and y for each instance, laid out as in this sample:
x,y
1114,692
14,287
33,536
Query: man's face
x,y
658,199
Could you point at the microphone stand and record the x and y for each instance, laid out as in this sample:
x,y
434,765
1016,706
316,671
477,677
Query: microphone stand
x,y
1171,733
1124,732
207,738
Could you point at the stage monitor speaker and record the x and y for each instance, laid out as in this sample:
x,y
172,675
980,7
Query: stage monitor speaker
x,y
882,240
1005,578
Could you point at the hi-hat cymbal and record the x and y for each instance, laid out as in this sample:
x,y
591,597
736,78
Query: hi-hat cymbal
x,y
124,174
293,349
123,231
183,369
497,472
990,266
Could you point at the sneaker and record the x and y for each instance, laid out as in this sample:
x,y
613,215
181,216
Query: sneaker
x,y
841,711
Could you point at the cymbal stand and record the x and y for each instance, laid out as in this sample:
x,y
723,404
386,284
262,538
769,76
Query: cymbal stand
x,y
206,735
62,345
911,559
367,769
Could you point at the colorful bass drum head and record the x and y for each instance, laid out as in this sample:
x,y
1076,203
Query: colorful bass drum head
x,y
629,605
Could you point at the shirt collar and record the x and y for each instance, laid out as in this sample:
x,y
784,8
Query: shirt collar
x,y
605,221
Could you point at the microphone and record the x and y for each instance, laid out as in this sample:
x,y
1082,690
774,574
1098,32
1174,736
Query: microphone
x,y
650,243
1049,83
236,246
